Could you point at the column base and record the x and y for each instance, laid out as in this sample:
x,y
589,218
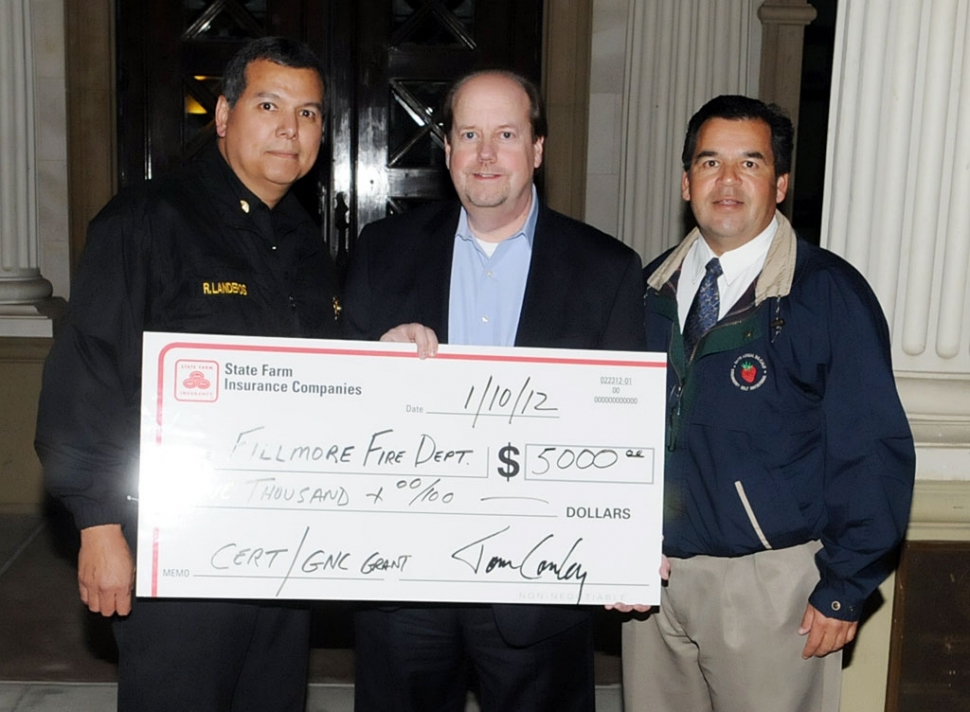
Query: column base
x,y
26,287
31,320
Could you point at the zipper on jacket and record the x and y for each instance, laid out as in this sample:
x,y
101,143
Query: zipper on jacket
x,y
673,416
742,316
676,393
677,390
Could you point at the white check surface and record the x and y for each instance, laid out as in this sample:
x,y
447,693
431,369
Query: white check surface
x,y
310,469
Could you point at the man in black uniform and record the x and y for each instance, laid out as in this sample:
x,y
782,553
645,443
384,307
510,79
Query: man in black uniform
x,y
216,247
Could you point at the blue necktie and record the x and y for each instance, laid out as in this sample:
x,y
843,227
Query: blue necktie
x,y
704,309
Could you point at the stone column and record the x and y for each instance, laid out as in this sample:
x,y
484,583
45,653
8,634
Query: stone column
x,y
783,25
680,53
897,195
897,205
21,284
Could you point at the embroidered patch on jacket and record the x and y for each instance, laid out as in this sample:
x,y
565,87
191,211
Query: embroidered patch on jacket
x,y
749,372
217,288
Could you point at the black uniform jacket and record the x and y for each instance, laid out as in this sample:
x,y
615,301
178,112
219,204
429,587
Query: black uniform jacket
x,y
192,252
584,290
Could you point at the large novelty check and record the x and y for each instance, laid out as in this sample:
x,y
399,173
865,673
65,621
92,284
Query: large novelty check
x,y
295,468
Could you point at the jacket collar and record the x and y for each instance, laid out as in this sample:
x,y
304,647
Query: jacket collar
x,y
776,276
549,274
438,250
237,204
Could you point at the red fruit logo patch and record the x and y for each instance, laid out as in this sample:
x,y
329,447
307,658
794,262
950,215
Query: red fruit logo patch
x,y
749,372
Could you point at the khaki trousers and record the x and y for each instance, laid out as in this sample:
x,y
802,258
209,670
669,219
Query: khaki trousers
x,y
725,639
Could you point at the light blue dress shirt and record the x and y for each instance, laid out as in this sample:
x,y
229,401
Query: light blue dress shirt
x,y
487,292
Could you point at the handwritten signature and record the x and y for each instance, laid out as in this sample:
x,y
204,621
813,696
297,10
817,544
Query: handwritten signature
x,y
530,566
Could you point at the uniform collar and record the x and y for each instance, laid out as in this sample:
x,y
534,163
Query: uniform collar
x,y
238,203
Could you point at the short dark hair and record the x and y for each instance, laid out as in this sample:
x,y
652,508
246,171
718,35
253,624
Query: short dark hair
x,y
279,50
736,108
537,108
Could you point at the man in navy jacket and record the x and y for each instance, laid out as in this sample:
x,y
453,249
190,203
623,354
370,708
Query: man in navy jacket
x,y
789,465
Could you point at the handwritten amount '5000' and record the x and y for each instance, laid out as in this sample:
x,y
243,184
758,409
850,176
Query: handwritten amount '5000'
x,y
568,458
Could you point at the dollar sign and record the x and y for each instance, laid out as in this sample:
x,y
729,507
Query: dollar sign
x,y
511,467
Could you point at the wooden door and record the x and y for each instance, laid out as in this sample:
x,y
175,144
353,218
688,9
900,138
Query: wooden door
x,y
388,65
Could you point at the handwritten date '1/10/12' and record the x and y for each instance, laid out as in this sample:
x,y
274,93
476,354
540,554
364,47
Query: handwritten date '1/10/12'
x,y
498,400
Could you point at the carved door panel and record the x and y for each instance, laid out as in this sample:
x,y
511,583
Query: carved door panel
x,y
388,65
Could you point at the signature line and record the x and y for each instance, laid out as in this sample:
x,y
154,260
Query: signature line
x,y
531,499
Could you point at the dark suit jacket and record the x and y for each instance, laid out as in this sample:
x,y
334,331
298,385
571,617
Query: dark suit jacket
x,y
584,290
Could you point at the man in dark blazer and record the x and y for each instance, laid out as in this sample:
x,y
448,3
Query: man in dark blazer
x,y
498,268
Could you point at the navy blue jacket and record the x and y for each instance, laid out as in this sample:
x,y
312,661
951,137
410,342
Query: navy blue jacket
x,y
786,427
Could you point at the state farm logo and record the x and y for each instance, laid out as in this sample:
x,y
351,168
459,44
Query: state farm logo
x,y
197,381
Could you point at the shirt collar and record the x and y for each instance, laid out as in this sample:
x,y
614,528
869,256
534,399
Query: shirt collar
x,y
528,227
734,263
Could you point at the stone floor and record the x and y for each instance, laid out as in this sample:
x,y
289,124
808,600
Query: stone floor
x,y
55,656
100,697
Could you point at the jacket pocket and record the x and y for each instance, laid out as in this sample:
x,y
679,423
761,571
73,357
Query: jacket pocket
x,y
751,515
768,510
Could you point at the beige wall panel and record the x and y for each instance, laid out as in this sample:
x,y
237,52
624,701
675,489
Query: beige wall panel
x,y
21,481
